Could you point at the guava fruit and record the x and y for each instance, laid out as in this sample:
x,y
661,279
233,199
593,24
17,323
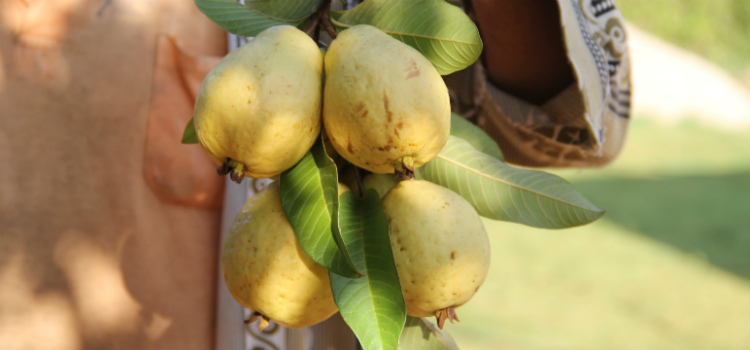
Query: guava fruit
x,y
385,107
440,247
266,270
258,111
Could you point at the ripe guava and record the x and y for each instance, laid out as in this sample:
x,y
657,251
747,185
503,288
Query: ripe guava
x,y
258,111
440,246
266,270
385,107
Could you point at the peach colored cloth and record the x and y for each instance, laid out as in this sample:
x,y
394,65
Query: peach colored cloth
x,y
109,228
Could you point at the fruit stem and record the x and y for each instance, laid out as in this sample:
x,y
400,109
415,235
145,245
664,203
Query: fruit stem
x,y
238,172
313,25
327,22
224,168
320,17
235,169
360,187
404,168
264,321
448,313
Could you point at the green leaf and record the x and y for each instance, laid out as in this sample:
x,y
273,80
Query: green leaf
x,y
256,15
335,15
189,136
501,192
421,334
475,136
373,305
309,196
440,31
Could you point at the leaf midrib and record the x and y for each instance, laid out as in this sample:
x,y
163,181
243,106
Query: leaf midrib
x,y
361,228
483,174
262,14
439,339
344,25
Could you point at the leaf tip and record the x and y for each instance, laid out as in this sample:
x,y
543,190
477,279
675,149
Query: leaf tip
x,y
189,136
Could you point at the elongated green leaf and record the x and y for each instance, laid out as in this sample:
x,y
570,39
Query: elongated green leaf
x,y
440,31
189,136
256,15
501,192
373,305
309,196
419,333
475,136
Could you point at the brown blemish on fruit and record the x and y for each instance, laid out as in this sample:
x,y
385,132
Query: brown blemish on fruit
x,y
360,106
388,112
453,255
395,131
365,113
400,125
390,139
412,69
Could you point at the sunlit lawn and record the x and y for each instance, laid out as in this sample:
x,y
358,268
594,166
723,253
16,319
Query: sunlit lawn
x,y
717,30
667,267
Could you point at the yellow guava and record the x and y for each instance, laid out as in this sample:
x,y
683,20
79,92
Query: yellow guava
x,y
260,106
385,104
440,246
266,270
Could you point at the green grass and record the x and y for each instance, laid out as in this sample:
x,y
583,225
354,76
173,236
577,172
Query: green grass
x,y
718,30
667,267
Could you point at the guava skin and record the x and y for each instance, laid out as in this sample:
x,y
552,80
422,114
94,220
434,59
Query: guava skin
x,y
383,101
440,246
261,105
266,270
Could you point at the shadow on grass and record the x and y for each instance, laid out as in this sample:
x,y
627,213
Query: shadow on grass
x,y
704,215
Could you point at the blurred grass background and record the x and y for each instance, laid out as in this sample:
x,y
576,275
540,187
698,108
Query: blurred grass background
x,y
718,30
668,266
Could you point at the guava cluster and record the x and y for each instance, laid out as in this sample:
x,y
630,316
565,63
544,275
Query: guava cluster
x,y
385,109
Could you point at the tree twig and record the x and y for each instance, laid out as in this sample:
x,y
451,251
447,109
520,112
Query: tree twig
x,y
314,19
321,17
358,176
327,23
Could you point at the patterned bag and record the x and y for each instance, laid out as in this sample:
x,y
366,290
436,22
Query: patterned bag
x,y
556,89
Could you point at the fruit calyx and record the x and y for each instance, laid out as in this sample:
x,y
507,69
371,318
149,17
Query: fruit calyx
x,y
235,169
264,321
448,313
404,167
